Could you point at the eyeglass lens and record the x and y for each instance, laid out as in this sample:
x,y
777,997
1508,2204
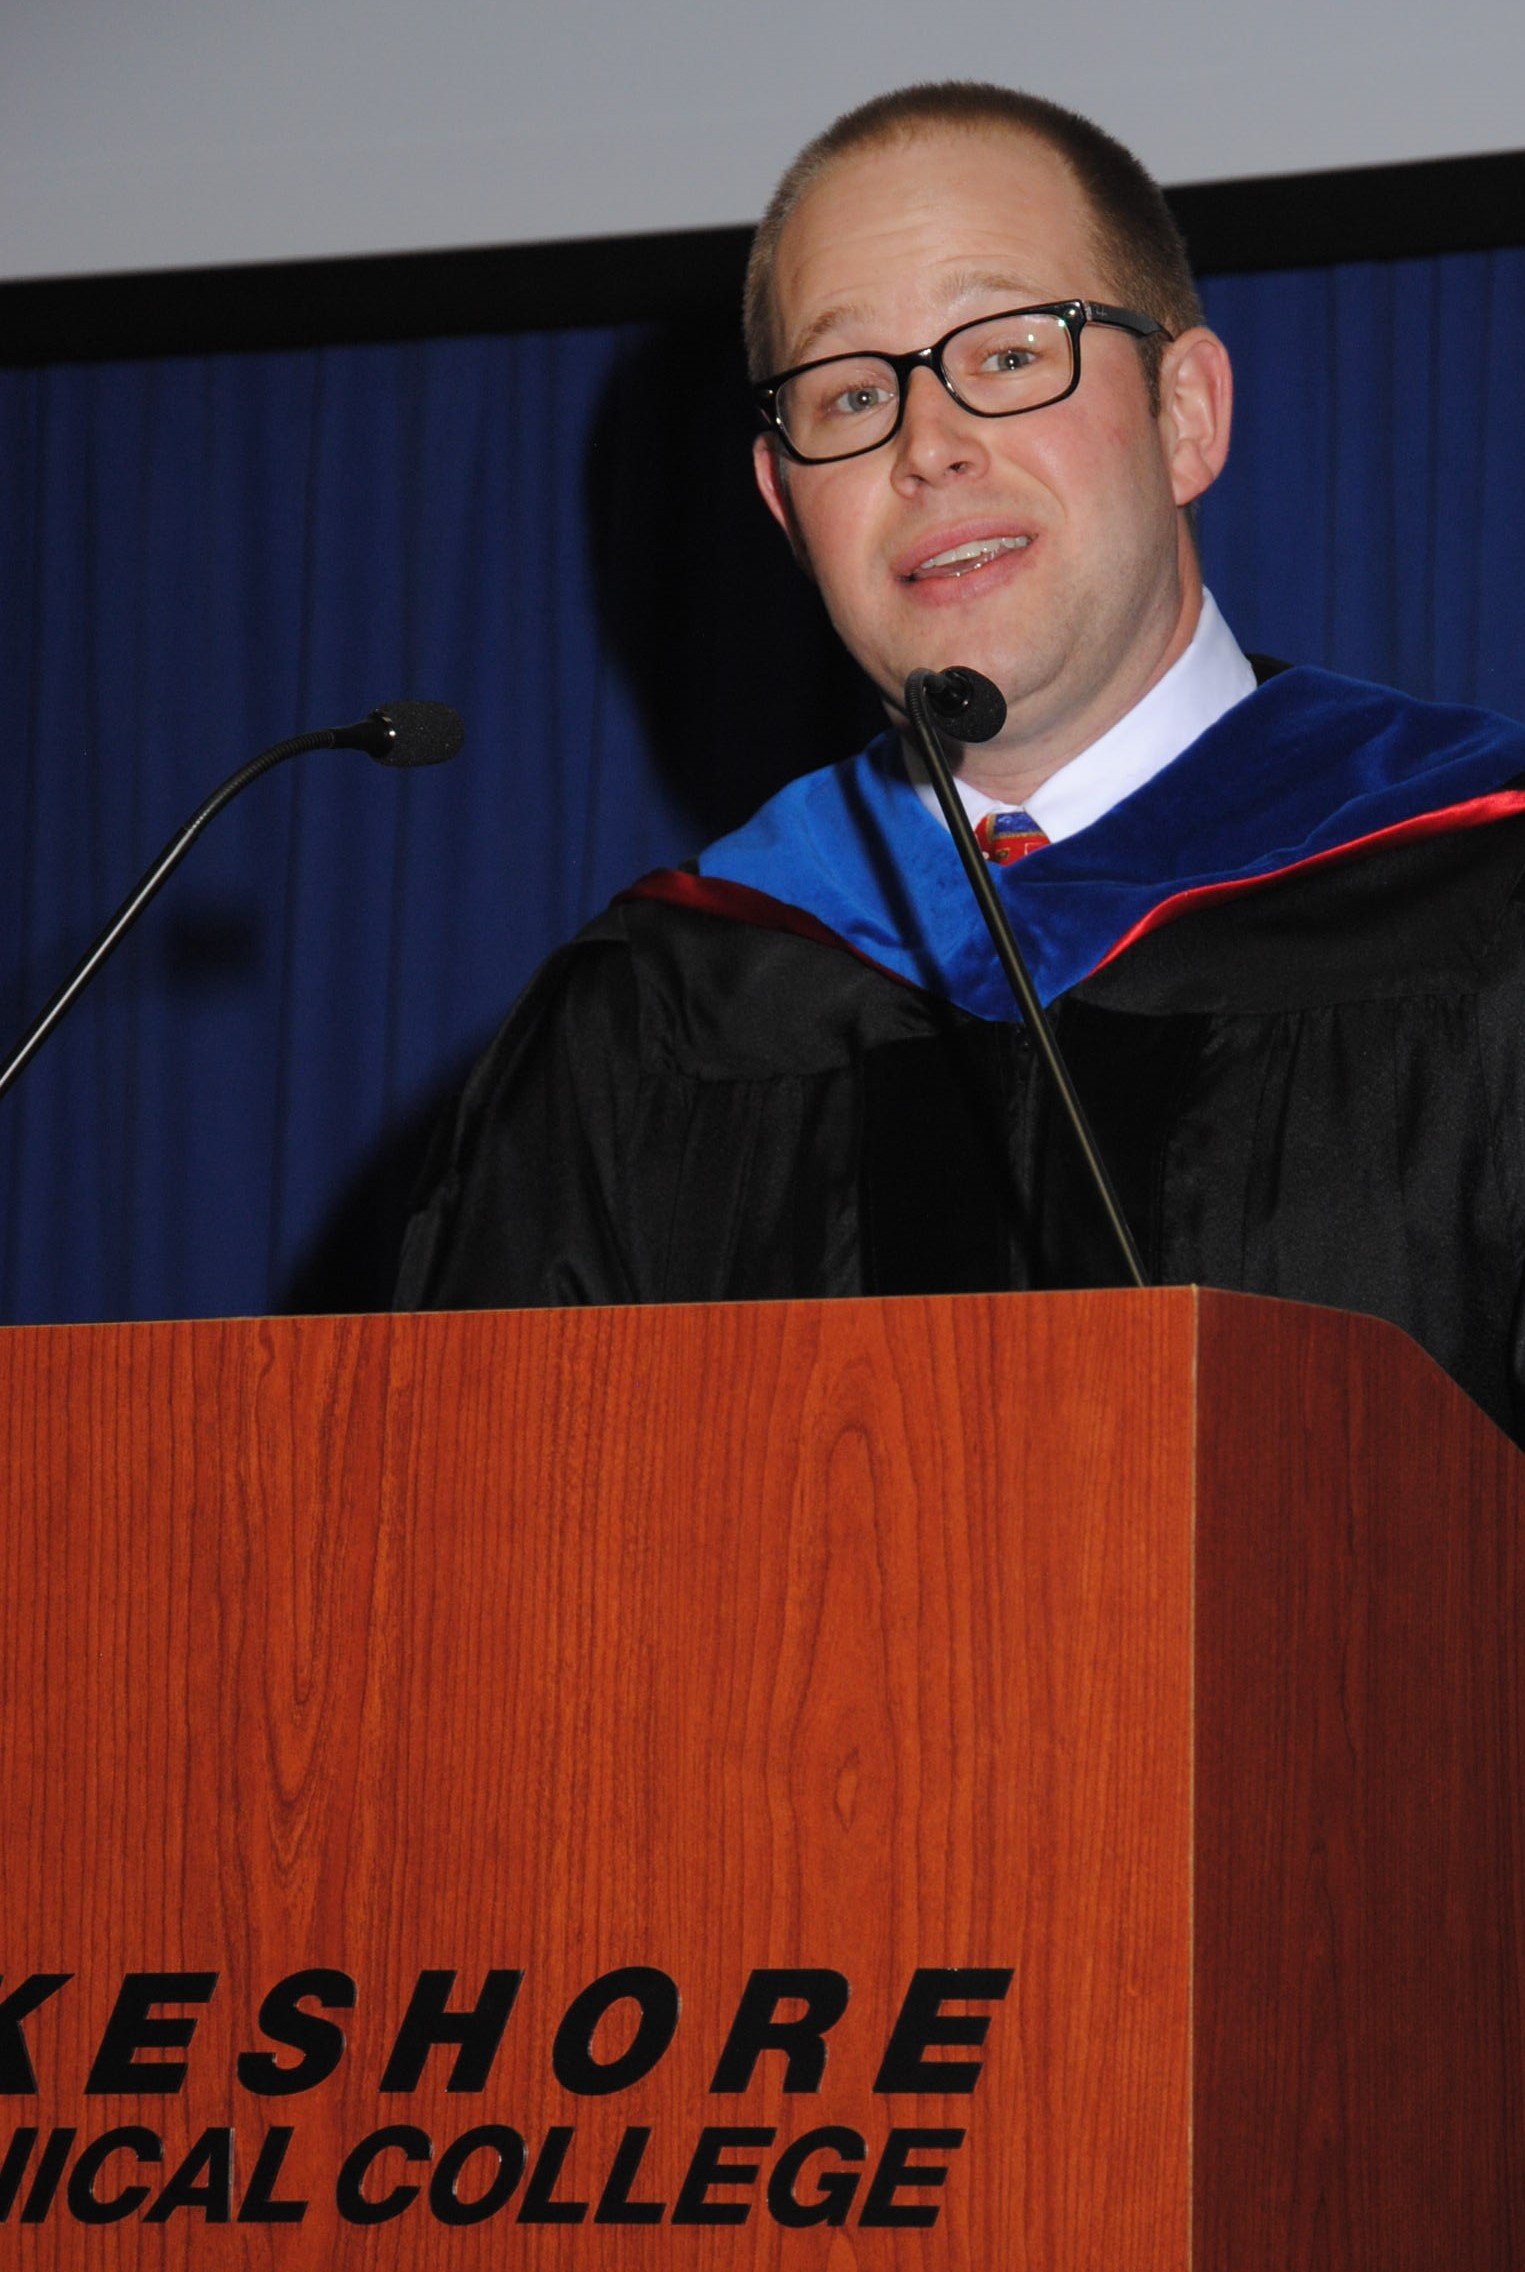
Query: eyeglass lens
x,y
1007,364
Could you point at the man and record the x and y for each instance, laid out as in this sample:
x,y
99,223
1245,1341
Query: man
x,y
1278,921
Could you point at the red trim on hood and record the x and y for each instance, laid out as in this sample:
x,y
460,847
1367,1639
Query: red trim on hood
x,y
739,903
1476,812
712,895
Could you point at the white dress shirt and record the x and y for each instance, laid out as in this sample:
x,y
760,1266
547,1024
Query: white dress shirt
x,y
1209,678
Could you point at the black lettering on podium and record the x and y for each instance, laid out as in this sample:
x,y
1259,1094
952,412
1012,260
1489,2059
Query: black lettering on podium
x,y
13,2169
354,2205
896,2171
17,2079
204,2181
656,1996
259,2205
709,2168
320,2042
834,2188
540,2205
757,2027
428,2021
615,2206
924,2025
86,2205
133,2027
488,2138
50,2169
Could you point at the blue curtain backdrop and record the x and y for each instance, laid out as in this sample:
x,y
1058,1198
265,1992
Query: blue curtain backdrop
x,y
556,533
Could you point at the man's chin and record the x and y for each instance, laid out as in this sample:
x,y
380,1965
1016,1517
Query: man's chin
x,y
1031,677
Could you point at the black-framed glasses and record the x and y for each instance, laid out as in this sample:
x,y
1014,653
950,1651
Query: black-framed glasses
x,y
841,406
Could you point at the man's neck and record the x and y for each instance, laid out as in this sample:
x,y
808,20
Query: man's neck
x,y
1009,771
1191,694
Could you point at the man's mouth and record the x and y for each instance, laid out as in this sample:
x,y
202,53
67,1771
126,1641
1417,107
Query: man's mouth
x,y
967,559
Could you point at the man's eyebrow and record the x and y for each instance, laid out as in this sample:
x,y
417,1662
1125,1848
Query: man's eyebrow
x,y
967,283
829,321
963,284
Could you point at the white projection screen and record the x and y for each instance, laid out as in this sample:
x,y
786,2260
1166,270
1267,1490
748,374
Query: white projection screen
x,y
161,134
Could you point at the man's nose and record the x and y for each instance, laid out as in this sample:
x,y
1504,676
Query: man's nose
x,y
938,438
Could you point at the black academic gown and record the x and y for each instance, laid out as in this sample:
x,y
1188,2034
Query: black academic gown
x,y
1314,1090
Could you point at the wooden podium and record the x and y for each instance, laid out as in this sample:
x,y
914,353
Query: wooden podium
x,y
1018,1784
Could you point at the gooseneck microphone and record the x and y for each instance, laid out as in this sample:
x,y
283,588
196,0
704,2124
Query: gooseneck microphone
x,y
968,708
399,733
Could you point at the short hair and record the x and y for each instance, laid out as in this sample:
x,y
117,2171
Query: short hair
x,y
1137,241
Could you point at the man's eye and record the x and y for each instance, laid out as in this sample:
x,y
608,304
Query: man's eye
x,y
1009,359
853,402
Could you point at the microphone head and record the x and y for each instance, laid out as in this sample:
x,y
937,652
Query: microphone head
x,y
967,707
413,733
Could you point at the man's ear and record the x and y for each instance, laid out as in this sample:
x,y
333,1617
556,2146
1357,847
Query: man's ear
x,y
1196,411
773,481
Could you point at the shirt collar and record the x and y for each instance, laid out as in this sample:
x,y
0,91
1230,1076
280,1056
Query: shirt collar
x,y
1200,685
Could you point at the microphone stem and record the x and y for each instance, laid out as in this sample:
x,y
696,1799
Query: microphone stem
x,y
1013,964
132,907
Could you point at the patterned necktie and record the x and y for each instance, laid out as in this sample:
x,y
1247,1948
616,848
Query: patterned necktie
x,y
1007,837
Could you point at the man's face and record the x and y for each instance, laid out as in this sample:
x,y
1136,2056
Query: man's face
x,y
893,247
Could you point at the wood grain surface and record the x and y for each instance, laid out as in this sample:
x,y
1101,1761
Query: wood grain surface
x,y
850,1636
1160,1649
1360,1885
